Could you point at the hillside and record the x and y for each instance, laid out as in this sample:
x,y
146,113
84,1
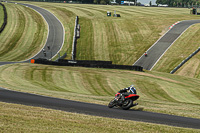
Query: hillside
x,y
24,34
180,50
158,91
121,40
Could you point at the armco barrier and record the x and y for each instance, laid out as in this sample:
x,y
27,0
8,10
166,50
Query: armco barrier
x,y
5,18
85,63
184,61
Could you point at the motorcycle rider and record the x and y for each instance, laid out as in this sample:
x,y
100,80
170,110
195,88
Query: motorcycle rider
x,y
145,54
125,92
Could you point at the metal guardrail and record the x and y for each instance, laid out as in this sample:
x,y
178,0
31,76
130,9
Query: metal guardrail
x,y
184,61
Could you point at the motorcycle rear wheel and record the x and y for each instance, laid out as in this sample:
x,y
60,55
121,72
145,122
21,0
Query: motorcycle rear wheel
x,y
112,103
128,103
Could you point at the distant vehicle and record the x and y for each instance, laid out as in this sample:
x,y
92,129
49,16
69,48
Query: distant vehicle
x,y
165,5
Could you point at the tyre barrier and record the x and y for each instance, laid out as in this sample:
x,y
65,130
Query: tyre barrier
x,y
87,63
5,18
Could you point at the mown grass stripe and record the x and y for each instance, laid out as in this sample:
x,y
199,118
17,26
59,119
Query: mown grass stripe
x,y
20,29
25,36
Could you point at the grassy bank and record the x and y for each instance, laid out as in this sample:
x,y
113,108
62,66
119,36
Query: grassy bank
x,y
179,51
191,68
20,118
122,40
160,92
24,35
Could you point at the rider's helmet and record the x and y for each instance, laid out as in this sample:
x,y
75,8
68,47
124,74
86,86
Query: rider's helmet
x,y
132,89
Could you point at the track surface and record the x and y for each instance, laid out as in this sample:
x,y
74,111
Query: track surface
x,y
162,45
55,37
95,109
56,34
55,41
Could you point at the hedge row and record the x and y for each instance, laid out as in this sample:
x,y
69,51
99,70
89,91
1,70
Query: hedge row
x,y
5,18
86,63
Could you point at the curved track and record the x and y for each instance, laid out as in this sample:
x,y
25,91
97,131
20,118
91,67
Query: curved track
x,y
55,37
161,46
56,34
54,40
95,109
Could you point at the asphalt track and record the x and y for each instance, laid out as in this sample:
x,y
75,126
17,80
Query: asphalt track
x,y
56,34
95,109
80,107
55,37
161,46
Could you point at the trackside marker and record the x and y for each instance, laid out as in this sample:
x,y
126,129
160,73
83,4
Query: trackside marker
x,y
174,24
32,60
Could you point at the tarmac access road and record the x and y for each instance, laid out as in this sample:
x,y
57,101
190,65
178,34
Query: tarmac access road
x,y
156,51
96,110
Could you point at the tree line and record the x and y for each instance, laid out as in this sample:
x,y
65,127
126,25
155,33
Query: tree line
x,y
170,3
179,3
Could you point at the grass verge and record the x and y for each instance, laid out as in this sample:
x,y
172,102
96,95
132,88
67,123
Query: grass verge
x,y
179,51
20,118
122,40
159,92
24,34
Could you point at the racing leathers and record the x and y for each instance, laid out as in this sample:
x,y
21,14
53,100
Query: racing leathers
x,y
125,92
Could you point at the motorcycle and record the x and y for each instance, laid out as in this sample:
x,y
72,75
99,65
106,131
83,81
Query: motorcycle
x,y
126,104
145,54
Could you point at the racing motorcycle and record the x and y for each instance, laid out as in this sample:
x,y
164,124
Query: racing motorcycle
x,y
126,104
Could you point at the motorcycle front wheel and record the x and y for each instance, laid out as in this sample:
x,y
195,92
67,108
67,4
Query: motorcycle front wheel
x,y
112,103
128,103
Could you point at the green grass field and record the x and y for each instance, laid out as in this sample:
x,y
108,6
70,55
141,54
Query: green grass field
x,y
20,118
158,91
121,40
1,15
180,50
24,34
191,68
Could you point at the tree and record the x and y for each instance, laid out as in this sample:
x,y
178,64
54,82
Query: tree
x,y
150,3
